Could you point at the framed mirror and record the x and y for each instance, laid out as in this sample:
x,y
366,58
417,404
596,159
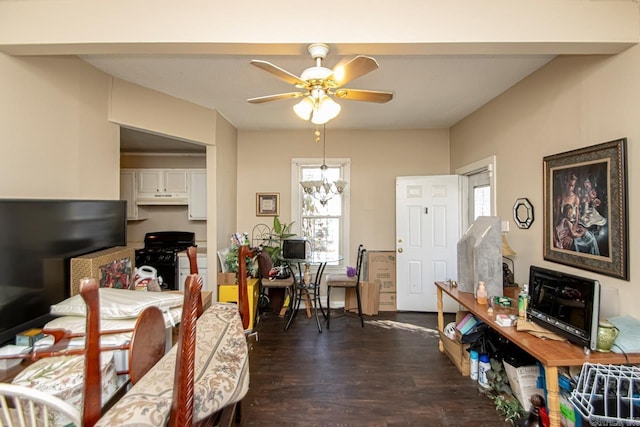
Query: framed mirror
x,y
523,213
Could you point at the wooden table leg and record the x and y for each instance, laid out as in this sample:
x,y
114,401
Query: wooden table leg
x,y
553,398
307,301
440,319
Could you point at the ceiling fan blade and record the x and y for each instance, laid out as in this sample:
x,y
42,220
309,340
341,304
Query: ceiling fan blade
x,y
364,95
348,70
276,97
279,73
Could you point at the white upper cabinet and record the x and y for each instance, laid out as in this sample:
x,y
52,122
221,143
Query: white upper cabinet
x,y
129,192
162,180
163,186
197,194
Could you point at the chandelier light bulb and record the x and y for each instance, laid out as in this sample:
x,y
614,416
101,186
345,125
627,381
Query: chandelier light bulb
x,y
304,108
326,110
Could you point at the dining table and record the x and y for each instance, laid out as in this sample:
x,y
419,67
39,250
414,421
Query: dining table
x,y
309,290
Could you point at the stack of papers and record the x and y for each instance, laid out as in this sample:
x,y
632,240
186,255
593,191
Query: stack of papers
x,y
12,350
504,320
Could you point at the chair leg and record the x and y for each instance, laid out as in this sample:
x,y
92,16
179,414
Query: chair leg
x,y
359,304
328,306
295,306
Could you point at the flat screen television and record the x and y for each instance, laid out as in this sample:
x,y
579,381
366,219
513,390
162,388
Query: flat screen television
x,y
565,304
38,238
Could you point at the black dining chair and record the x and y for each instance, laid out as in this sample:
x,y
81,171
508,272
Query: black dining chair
x,y
344,281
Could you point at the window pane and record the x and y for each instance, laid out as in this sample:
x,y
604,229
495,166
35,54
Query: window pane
x,y
322,225
481,201
323,233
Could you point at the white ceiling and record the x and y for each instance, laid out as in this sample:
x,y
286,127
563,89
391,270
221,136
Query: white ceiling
x,y
430,91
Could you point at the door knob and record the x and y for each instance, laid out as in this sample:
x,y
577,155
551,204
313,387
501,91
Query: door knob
x,y
400,250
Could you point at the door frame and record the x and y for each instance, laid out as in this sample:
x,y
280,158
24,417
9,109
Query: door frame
x,y
487,164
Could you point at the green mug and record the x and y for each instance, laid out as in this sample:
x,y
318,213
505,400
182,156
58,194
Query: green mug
x,y
607,334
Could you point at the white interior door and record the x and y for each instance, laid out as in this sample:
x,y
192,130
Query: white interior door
x,y
427,233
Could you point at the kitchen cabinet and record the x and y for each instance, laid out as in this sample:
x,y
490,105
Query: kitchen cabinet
x,y
129,192
197,194
184,269
169,186
154,187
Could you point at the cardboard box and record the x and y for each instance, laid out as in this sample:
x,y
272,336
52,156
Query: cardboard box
x,y
388,302
29,338
226,278
381,269
113,268
524,383
229,293
511,292
369,298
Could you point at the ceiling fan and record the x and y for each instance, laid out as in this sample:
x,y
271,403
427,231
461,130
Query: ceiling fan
x,y
321,83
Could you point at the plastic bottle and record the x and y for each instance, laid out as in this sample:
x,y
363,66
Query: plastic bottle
x,y
483,366
473,357
481,294
523,301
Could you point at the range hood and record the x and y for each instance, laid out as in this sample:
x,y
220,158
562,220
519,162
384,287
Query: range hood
x,y
163,199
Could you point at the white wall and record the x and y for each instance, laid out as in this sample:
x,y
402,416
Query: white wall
x,y
570,103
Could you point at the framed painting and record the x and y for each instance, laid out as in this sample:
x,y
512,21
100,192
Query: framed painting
x,y
267,204
585,208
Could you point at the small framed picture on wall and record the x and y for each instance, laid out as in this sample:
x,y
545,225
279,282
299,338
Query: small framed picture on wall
x,y
267,204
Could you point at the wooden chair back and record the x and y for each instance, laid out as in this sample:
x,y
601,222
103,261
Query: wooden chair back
x,y
182,403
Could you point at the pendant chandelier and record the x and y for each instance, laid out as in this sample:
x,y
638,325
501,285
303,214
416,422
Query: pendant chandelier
x,y
323,190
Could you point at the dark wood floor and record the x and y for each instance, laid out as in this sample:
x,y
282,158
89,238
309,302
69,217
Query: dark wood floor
x,y
353,376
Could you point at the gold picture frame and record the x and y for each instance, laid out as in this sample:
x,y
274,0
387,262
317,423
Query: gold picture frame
x,y
267,204
585,209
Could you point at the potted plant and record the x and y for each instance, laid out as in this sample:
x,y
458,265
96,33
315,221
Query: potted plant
x,y
273,244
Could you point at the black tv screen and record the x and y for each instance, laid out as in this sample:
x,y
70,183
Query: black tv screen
x,y
566,304
38,238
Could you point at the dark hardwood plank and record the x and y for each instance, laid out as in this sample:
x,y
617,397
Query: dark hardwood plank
x,y
353,376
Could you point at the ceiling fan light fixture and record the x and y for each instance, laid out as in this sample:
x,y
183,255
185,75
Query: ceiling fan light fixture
x,y
304,108
326,110
316,73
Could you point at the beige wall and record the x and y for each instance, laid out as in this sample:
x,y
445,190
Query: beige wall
x,y
225,180
56,141
60,128
571,103
377,157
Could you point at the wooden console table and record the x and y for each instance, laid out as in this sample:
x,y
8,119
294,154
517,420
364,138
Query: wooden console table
x,y
551,354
